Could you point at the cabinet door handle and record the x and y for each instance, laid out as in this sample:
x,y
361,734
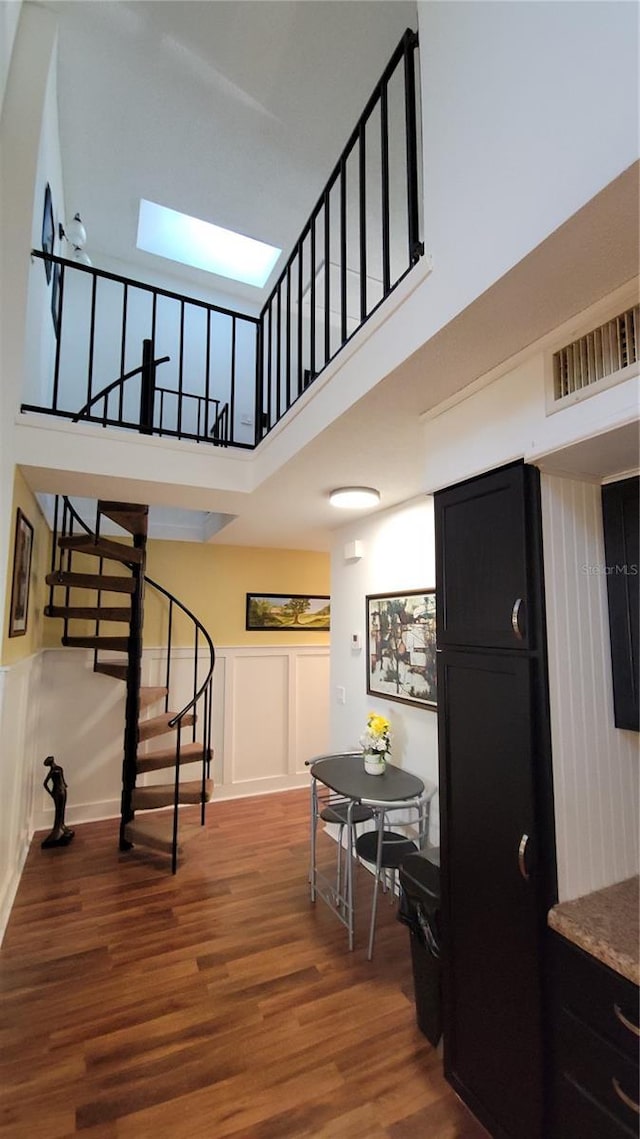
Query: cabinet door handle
x,y
627,1023
515,618
522,857
624,1097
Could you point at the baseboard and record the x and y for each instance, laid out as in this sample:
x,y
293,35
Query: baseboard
x,y
10,888
268,786
79,813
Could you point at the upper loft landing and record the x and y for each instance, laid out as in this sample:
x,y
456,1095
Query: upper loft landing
x,y
135,357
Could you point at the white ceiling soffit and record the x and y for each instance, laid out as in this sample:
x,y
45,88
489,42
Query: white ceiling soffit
x,y
169,524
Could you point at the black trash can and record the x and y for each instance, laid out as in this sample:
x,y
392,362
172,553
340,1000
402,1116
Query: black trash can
x,y
419,909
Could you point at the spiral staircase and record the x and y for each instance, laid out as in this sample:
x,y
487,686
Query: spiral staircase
x,y
84,597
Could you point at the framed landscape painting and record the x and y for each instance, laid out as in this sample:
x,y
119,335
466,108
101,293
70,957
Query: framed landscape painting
x,y
288,612
401,646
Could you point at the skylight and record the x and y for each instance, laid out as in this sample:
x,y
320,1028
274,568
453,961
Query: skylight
x,y
168,233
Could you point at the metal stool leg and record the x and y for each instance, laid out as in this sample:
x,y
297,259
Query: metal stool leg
x,y
376,883
314,825
339,865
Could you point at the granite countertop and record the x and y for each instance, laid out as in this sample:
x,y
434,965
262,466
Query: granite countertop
x,y
604,924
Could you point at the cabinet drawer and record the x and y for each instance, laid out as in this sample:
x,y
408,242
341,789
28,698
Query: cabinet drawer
x,y
595,994
597,1069
577,1116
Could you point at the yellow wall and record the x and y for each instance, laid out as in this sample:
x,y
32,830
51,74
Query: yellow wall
x,y
212,581
15,649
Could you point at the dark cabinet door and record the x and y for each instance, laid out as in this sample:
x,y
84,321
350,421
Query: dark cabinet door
x,y
482,564
620,512
492,1031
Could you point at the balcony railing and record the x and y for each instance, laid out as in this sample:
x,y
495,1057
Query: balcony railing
x,y
206,358
361,239
225,377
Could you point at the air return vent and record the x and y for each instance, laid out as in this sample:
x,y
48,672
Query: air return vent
x,y
602,353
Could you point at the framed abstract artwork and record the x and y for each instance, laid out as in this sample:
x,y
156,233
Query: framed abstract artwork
x,y
19,611
401,646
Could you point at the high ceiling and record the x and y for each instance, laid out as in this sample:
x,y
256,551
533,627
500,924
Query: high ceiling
x,y
236,112
233,112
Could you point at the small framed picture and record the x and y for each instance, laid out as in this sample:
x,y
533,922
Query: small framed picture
x,y
21,576
401,646
287,612
48,231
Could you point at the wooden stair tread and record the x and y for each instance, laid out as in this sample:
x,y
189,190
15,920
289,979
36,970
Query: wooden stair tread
x,y
158,725
103,582
102,548
117,644
157,832
131,516
166,757
110,668
89,612
150,694
161,794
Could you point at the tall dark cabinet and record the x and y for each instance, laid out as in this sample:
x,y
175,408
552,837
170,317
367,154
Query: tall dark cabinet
x,y
497,837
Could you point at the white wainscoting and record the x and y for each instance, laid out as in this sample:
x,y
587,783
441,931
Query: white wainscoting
x,y
19,686
595,764
270,714
276,716
81,723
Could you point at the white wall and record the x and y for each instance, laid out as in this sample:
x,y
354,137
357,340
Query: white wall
x,y
504,415
30,158
19,689
9,16
529,110
398,555
39,333
28,104
595,764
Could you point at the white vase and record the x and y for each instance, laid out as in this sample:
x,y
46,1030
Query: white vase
x,y
375,762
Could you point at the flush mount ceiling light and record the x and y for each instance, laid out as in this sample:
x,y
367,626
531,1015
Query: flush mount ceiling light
x,y
354,497
191,241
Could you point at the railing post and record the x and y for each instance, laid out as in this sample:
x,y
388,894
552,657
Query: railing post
x,y
416,247
132,712
257,424
147,388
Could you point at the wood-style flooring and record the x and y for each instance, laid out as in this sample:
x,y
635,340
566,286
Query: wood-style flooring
x,y
217,1004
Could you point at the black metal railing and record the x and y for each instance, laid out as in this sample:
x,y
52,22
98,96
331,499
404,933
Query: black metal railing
x,y
104,323
202,696
229,378
362,237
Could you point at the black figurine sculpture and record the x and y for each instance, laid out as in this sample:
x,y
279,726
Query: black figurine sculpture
x,y
54,783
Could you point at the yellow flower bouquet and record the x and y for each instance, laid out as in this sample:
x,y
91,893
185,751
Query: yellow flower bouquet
x,y
376,743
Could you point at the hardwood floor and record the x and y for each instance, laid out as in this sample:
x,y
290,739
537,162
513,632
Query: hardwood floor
x,y
217,1003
